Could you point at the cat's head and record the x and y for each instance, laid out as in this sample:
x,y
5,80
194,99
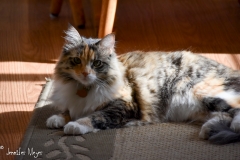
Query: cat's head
x,y
87,61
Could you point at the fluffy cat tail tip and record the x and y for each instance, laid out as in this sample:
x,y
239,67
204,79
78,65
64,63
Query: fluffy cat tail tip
x,y
222,134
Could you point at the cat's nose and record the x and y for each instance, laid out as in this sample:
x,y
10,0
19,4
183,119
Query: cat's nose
x,y
85,74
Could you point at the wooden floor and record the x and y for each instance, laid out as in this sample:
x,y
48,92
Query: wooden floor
x,y
30,43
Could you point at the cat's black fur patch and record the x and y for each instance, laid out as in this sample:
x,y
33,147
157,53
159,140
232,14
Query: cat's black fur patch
x,y
114,115
198,74
72,64
232,83
177,61
66,52
66,76
190,71
164,94
216,104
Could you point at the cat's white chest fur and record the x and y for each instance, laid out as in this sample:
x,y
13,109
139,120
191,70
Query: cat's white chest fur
x,y
64,98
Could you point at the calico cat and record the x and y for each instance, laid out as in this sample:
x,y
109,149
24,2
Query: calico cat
x,y
96,90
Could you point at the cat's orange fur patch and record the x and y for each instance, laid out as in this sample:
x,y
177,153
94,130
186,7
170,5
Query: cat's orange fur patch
x,y
78,69
235,103
87,56
213,87
85,121
125,93
210,87
66,116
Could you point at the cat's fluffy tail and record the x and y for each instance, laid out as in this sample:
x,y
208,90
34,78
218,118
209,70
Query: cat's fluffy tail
x,y
221,133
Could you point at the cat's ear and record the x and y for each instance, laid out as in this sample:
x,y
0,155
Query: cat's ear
x,y
72,38
108,41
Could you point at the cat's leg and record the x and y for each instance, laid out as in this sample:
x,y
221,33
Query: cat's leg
x,y
114,115
215,119
58,121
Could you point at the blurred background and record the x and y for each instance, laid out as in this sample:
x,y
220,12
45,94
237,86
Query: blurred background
x,y
31,41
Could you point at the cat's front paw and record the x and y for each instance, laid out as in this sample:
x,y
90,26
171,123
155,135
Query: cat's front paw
x,y
55,121
75,128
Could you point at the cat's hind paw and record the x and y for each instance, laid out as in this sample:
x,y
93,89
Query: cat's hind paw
x,y
55,121
75,128
204,133
235,125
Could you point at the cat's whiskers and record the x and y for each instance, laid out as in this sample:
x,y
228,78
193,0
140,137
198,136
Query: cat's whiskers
x,y
101,83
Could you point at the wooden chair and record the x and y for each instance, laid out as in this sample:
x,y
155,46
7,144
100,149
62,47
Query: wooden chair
x,y
108,11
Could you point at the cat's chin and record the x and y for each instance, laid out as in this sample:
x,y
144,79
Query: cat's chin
x,y
86,82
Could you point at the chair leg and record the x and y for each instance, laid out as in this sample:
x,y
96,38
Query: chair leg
x,y
78,14
55,8
107,17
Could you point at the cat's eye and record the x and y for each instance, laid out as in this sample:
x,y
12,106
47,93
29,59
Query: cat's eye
x,y
97,63
76,60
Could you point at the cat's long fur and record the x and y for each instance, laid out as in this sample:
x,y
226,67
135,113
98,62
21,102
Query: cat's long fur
x,y
139,88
